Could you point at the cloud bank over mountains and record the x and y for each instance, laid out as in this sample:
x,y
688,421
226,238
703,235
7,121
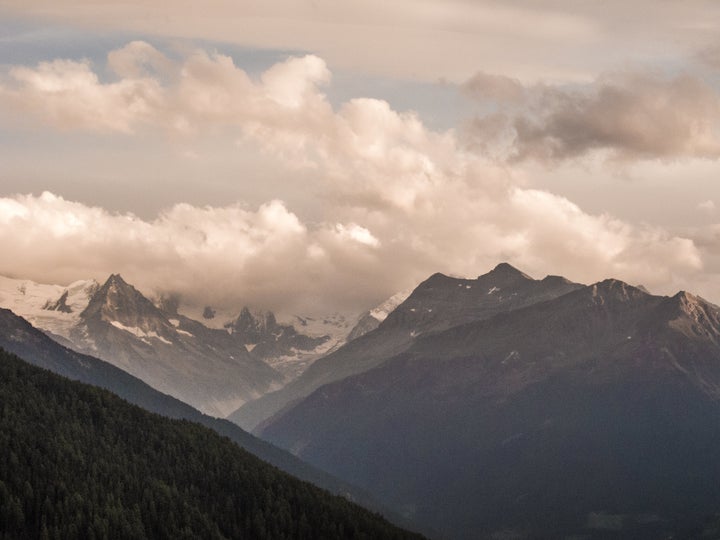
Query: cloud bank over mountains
x,y
396,199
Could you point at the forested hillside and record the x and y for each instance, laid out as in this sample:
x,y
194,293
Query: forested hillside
x,y
78,462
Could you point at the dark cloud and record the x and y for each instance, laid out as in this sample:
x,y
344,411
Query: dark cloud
x,y
629,115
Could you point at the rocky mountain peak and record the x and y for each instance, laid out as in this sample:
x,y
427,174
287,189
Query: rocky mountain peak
x,y
556,280
687,300
59,305
116,300
505,271
616,291
696,312
253,324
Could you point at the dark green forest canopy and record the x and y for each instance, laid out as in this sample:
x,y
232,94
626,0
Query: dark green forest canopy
x,y
78,462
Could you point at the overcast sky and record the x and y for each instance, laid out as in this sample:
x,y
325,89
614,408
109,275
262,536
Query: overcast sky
x,y
319,156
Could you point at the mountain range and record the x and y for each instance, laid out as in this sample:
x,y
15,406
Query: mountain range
x,y
436,304
212,365
497,407
561,411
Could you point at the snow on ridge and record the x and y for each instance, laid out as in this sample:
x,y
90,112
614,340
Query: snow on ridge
x,y
139,332
381,312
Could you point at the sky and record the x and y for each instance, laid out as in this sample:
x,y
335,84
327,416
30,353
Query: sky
x,y
316,156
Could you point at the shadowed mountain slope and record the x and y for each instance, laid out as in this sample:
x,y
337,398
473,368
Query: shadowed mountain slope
x,y
21,338
83,463
436,304
592,415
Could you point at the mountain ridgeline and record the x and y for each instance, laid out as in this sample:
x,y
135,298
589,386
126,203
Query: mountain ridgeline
x,y
436,304
589,414
79,462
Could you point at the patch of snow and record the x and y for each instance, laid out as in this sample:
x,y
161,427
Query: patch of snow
x,y
134,330
381,312
174,322
493,290
156,336
183,332
139,332
468,286
250,346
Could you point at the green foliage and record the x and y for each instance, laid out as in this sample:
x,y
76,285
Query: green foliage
x,y
79,462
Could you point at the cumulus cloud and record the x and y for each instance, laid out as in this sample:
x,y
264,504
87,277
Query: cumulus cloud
x,y
231,256
398,201
224,256
627,115
200,91
69,94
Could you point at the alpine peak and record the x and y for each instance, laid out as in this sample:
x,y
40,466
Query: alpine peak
x,y
506,271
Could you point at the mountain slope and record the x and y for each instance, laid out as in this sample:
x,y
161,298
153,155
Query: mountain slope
x,y
595,414
204,367
84,463
436,304
21,338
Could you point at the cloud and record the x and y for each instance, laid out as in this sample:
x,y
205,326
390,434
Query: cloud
x,y
231,256
629,116
223,256
200,91
356,233
69,95
394,200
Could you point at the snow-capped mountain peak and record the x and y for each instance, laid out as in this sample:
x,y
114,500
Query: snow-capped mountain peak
x,y
54,308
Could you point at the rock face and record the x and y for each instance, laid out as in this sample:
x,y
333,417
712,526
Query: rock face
x,y
593,414
59,305
436,304
266,338
201,366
